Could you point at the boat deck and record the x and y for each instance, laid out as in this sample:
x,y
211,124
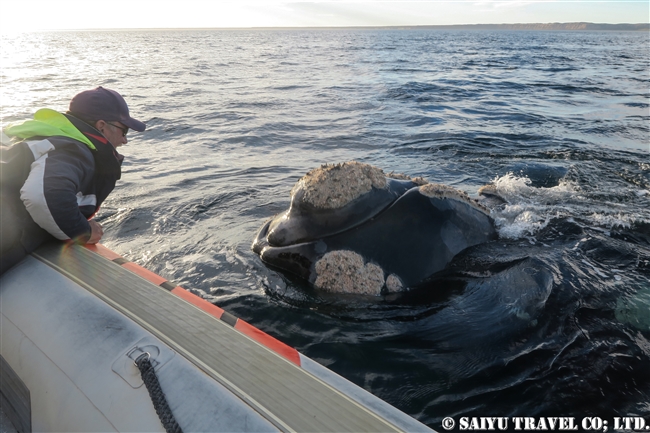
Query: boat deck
x,y
285,389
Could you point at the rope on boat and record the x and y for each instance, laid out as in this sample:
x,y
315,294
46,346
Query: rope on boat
x,y
158,399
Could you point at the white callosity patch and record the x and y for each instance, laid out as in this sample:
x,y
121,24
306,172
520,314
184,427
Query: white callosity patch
x,y
438,190
345,272
400,176
489,196
394,284
332,186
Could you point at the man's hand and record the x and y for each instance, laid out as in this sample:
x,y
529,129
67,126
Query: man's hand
x,y
96,232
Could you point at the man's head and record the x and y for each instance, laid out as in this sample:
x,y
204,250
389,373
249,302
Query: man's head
x,y
107,111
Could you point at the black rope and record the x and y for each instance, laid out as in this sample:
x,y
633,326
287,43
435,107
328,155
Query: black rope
x,y
155,392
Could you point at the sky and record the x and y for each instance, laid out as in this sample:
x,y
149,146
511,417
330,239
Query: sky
x,y
30,15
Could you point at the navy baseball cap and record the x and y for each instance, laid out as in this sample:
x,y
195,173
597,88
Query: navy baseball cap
x,y
103,104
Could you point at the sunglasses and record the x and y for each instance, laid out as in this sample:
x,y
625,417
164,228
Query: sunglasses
x,y
124,130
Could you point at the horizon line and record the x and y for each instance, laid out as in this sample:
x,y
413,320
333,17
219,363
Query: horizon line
x,y
405,26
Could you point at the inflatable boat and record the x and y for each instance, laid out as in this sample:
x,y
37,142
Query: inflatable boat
x,y
75,319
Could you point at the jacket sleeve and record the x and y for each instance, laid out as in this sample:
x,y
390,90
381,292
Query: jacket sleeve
x,y
51,189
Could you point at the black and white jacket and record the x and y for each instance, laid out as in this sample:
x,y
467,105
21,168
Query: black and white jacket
x,y
61,181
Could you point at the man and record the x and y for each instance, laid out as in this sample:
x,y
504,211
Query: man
x,y
58,169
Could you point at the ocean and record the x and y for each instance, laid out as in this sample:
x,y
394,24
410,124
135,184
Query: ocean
x,y
558,122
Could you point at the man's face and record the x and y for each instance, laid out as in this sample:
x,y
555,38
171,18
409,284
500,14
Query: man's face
x,y
114,131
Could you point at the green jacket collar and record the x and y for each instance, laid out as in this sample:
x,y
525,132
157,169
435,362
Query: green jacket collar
x,y
47,123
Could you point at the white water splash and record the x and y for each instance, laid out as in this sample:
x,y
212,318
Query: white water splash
x,y
530,209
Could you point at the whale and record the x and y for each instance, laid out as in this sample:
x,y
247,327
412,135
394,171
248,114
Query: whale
x,y
352,228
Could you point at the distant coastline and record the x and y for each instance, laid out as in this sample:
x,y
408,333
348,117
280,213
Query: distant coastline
x,y
580,26
545,26
577,26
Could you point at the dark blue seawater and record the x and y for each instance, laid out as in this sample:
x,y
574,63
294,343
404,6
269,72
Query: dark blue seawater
x,y
551,319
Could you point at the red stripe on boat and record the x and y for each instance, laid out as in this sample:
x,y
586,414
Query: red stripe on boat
x,y
197,301
245,328
144,273
265,339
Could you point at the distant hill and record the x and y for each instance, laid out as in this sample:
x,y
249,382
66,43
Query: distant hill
x,y
544,26
530,26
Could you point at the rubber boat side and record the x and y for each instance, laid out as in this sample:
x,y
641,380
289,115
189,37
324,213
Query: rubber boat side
x,y
74,318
